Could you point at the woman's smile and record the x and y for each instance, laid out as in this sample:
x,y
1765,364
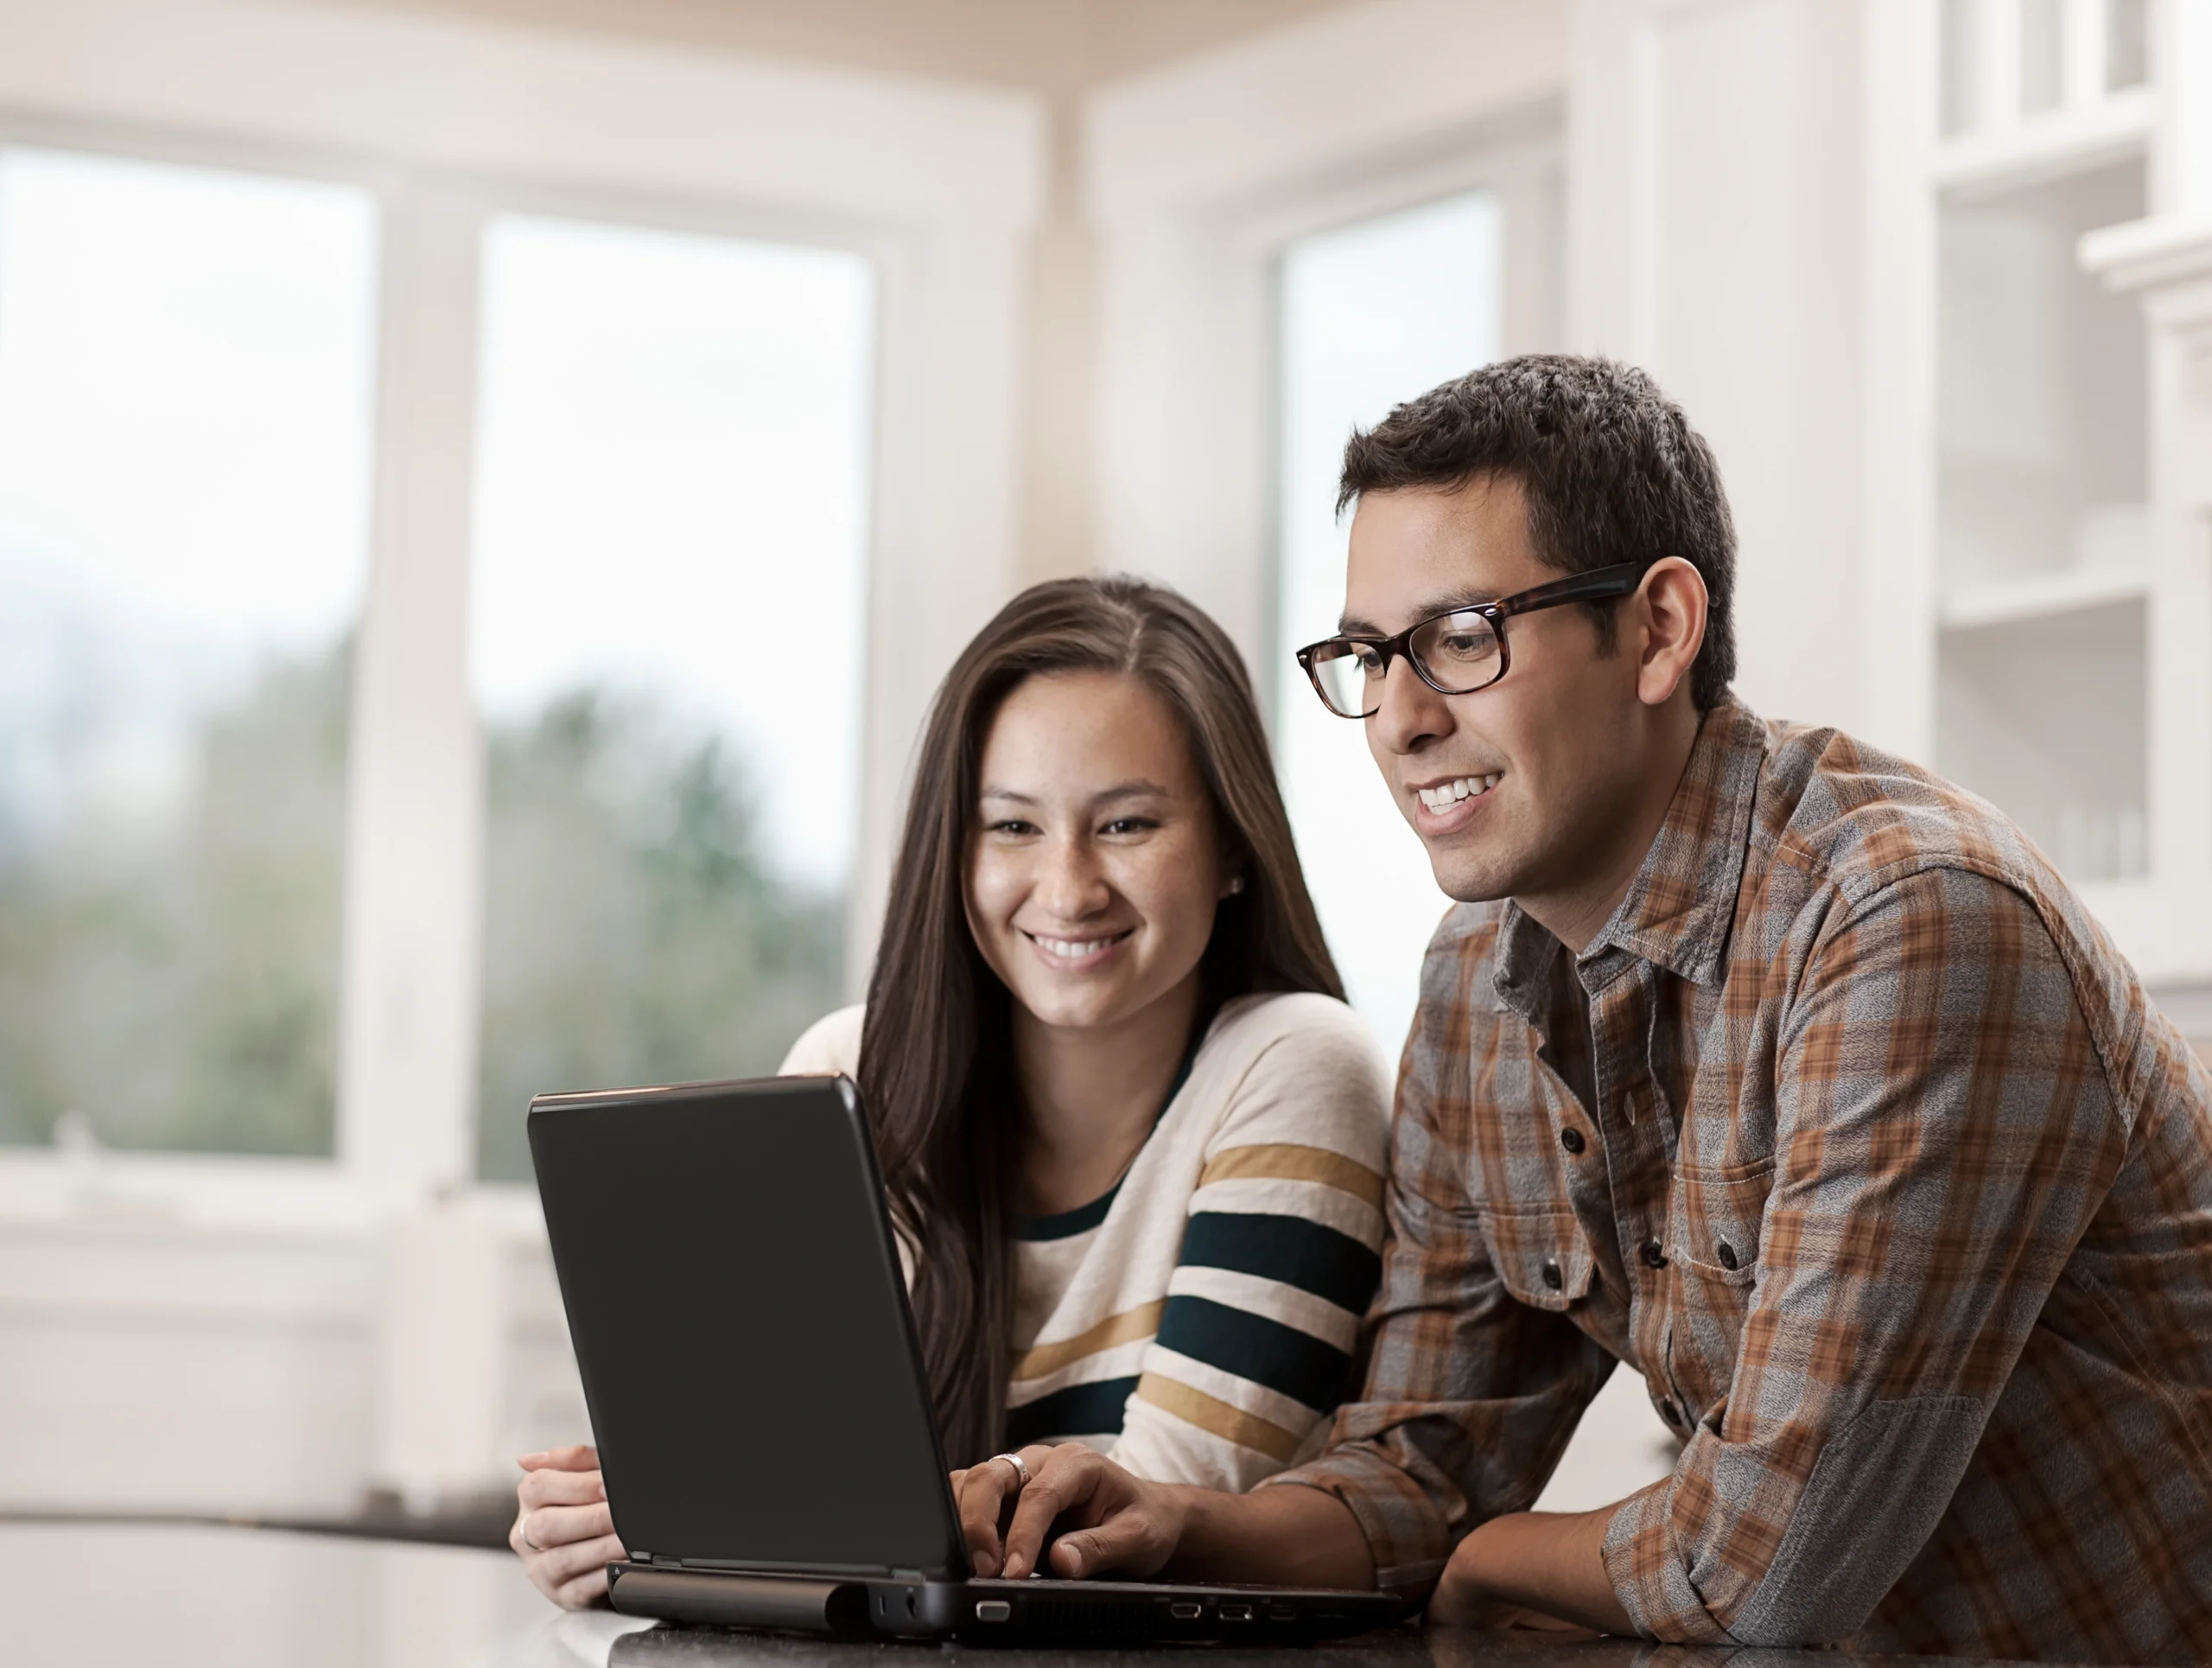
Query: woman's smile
x,y
1077,955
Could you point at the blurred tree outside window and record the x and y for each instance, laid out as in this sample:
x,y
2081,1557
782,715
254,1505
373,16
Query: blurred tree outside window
x,y
667,632
185,418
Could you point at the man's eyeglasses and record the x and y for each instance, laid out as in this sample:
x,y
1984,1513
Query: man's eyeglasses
x,y
1455,652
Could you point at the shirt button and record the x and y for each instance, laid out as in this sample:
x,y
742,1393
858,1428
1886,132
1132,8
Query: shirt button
x,y
1726,1253
1552,1277
1654,1256
1571,1139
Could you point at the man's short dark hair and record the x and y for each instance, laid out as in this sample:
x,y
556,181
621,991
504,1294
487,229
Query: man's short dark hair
x,y
1610,468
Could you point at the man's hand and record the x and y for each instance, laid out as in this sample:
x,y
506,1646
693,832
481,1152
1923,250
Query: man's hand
x,y
1111,1523
1543,1570
563,1529
1110,1520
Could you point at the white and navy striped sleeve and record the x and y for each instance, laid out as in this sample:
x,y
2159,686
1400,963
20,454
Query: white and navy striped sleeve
x,y
1281,1255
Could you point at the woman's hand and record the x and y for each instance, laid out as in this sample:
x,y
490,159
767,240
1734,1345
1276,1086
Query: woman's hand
x,y
563,1529
1108,1520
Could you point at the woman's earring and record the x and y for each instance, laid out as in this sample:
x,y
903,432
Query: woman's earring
x,y
1236,885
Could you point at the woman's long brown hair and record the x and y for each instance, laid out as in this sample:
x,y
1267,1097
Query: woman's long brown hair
x,y
936,1067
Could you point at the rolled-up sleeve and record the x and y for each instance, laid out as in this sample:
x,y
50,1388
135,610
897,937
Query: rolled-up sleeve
x,y
1469,1396
1944,1132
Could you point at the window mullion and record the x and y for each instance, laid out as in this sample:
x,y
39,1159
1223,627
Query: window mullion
x,y
407,1051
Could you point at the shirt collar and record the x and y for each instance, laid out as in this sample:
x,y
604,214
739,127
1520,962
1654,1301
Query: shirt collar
x,y
1680,908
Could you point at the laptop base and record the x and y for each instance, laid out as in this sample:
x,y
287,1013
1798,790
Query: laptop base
x,y
1036,1612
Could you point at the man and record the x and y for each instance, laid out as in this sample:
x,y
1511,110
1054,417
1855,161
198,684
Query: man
x,y
1765,1062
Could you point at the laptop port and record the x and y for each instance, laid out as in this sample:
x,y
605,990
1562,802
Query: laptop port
x,y
1282,1613
1184,1610
994,1610
1235,1610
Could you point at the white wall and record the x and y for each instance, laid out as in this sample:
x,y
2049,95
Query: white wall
x,y
1714,239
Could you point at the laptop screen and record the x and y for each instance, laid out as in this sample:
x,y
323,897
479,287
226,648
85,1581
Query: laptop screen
x,y
734,1298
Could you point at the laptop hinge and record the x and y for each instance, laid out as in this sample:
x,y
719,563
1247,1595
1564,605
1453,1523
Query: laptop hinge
x,y
720,1566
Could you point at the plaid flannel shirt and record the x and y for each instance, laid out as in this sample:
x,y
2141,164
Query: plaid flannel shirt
x,y
1853,1134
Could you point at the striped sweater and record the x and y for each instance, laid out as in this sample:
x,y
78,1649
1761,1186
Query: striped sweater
x,y
1198,1321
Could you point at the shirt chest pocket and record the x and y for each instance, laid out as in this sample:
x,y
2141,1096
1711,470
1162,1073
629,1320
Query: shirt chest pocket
x,y
1540,1254
1716,1218
1714,1239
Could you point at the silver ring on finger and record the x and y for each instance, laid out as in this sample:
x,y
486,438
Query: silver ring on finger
x,y
525,1527
1020,1469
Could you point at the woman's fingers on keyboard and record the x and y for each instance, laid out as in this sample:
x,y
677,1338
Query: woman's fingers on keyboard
x,y
981,1495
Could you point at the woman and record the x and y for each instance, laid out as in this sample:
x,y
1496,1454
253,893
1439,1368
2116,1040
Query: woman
x,y
1132,1140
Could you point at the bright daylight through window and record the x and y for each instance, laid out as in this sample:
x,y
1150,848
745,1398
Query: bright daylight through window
x,y
1370,314
185,406
668,640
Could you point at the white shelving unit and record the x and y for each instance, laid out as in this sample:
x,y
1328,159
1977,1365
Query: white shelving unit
x,y
2072,577
2041,562
2042,595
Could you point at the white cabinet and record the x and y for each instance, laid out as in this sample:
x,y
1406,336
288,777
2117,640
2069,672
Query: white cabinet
x,y
2060,154
2063,156
2042,545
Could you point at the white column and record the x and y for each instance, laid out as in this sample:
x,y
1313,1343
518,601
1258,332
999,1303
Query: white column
x,y
2178,308
2082,82
944,556
2180,146
1996,47
1715,158
443,1351
1896,262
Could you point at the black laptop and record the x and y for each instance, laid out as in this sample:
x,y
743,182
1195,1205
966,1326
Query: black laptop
x,y
741,1328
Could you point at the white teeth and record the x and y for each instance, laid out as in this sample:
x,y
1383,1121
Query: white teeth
x,y
1073,949
1446,795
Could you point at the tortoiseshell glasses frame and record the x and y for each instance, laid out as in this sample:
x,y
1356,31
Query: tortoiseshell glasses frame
x,y
1455,652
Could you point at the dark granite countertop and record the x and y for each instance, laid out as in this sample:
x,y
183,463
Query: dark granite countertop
x,y
1410,1647
88,1590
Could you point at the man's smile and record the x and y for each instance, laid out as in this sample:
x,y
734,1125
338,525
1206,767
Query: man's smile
x,y
1449,803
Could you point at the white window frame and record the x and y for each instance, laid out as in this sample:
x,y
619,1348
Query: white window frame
x,y
1200,174
448,122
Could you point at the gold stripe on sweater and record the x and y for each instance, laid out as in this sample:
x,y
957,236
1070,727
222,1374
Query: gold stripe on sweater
x,y
1291,1163
1209,1414
1123,1328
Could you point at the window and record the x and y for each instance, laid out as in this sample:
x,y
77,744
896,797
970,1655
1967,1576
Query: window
x,y
1370,314
667,639
185,410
